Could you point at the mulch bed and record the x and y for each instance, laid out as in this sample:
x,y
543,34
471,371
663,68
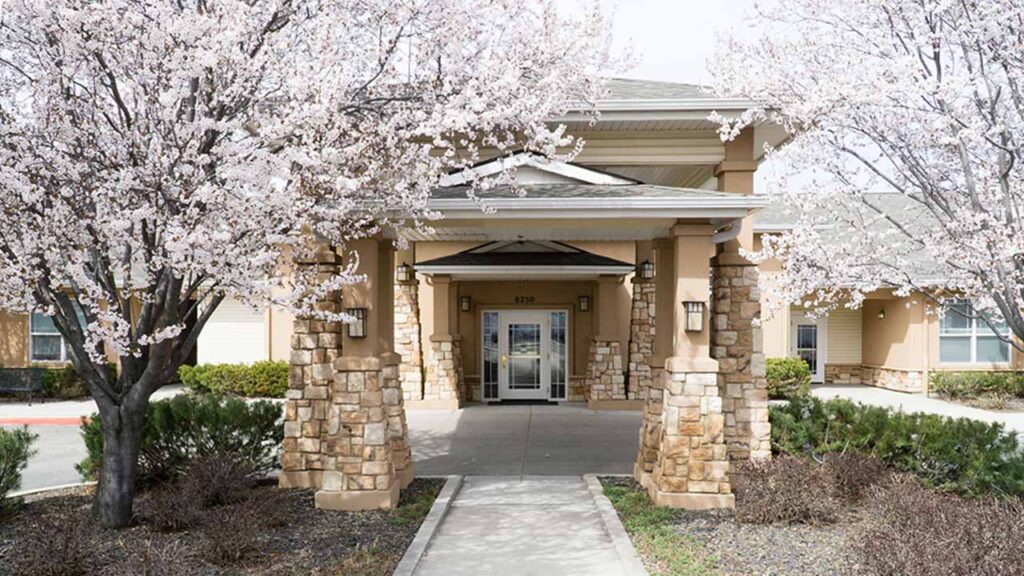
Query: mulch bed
x,y
740,549
296,539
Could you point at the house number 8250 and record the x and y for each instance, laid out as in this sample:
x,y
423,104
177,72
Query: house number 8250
x,y
524,299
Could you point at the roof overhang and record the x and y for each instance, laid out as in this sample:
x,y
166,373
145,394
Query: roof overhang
x,y
598,208
525,272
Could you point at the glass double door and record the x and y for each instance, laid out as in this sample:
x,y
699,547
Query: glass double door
x,y
524,355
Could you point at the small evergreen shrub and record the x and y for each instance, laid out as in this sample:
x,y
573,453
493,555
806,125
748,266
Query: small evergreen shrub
x,y
64,383
787,377
972,385
15,450
963,455
913,531
181,429
267,379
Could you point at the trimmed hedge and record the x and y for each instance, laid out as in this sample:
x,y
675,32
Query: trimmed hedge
x,y
962,455
969,385
266,379
181,429
15,450
787,377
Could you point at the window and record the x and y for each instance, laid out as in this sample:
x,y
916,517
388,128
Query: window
x,y
45,342
965,339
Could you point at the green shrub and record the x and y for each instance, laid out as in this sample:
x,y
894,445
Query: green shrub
x,y
261,379
963,455
15,450
181,429
969,385
787,377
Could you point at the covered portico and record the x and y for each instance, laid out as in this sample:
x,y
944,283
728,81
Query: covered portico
x,y
634,299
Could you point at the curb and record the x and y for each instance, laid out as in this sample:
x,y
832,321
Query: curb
x,y
77,421
428,528
34,491
631,562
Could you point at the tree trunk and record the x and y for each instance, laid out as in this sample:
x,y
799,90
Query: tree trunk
x,y
115,492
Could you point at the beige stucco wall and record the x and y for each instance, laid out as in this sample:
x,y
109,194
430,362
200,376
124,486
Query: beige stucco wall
x,y
900,340
13,340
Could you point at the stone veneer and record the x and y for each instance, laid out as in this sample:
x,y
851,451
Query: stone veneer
x,y
407,339
650,428
315,347
444,371
692,467
605,377
893,378
641,339
736,344
843,374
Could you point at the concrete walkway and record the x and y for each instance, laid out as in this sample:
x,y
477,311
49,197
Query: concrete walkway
x,y
525,526
919,403
524,440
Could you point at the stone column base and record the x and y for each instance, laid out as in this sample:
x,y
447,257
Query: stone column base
x,y
444,371
355,500
406,475
688,501
433,405
606,379
299,479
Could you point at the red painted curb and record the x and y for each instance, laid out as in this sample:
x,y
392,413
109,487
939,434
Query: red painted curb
x,y
42,421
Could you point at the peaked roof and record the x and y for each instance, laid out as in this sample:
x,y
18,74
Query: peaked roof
x,y
522,256
533,169
631,89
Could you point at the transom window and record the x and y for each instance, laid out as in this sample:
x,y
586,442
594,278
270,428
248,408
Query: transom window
x,y
964,338
45,342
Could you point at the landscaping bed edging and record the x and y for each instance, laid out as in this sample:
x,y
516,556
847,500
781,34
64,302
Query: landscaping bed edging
x,y
631,562
442,504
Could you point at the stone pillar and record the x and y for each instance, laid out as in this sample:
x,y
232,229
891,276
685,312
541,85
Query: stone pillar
x,y
661,336
691,469
367,435
407,332
641,329
315,346
737,345
605,376
443,385
736,309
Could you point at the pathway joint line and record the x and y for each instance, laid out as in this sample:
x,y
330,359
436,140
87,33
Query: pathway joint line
x,y
631,562
438,511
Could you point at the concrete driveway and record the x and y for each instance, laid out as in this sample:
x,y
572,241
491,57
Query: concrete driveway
x,y
544,440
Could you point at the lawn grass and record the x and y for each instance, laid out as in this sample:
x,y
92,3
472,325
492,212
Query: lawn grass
x,y
666,551
367,562
412,509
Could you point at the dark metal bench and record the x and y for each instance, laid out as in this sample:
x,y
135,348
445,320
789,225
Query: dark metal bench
x,y
21,381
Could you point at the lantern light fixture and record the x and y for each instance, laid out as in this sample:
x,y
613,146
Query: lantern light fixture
x,y
881,314
403,273
646,270
694,313
584,303
357,327
465,303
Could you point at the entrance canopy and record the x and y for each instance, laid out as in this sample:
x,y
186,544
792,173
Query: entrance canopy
x,y
524,259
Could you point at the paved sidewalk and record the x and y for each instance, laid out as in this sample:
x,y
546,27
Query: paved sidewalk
x,y
919,403
63,413
524,526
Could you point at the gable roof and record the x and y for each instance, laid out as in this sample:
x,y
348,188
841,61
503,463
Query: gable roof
x,y
533,169
632,89
525,257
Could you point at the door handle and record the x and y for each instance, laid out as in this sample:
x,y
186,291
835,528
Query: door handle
x,y
504,360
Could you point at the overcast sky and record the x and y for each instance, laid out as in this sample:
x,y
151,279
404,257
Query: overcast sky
x,y
672,39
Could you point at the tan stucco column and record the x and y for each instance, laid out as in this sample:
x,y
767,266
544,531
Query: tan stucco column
x,y
606,378
444,358
691,468
736,174
366,424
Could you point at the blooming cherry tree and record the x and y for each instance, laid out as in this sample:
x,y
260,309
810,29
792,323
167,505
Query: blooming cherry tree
x,y
157,157
923,99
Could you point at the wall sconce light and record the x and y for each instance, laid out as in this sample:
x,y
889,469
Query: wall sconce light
x,y
694,316
465,303
584,303
357,328
403,273
881,314
646,270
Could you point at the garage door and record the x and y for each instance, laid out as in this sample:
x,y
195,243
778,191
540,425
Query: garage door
x,y
235,333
